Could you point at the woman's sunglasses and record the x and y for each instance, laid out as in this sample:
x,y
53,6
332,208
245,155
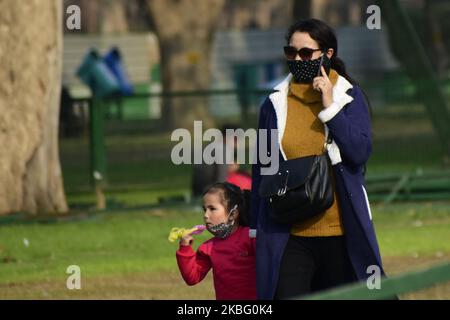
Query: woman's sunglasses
x,y
305,53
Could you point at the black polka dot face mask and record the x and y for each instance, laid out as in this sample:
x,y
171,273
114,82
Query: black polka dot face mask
x,y
306,71
223,230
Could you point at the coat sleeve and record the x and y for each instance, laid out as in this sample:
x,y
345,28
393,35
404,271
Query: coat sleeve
x,y
256,170
193,266
350,128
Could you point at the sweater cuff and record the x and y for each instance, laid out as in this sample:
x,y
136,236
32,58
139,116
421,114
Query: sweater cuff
x,y
328,113
185,250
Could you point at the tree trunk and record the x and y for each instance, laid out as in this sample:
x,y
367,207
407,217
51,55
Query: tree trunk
x,y
185,30
301,10
439,53
408,48
30,84
335,13
102,16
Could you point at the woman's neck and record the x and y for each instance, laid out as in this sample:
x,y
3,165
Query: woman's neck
x,y
305,91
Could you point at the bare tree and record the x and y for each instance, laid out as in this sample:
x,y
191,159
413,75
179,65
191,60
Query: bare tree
x,y
255,14
185,31
439,54
102,16
335,12
411,53
301,9
30,84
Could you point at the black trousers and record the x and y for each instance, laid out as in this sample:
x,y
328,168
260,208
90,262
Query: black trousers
x,y
311,264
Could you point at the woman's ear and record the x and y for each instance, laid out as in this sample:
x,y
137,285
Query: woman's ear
x,y
330,53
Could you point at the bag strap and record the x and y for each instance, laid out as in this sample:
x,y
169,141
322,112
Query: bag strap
x,y
328,140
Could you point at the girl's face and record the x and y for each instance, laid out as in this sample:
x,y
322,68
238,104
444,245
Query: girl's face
x,y
214,211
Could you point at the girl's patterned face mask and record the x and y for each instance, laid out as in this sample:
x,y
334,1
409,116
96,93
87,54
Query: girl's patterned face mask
x,y
223,230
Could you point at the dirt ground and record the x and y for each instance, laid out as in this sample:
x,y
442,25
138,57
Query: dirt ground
x,y
169,285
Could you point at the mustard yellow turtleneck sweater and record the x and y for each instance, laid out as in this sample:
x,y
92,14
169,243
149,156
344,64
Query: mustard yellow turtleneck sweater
x,y
304,135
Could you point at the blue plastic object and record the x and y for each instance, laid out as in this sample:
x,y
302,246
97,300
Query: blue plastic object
x,y
113,60
95,74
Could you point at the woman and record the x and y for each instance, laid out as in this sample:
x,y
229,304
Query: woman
x,y
317,101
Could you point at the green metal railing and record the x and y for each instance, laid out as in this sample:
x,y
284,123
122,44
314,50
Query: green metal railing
x,y
97,149
97,109
389,287
410,186
417,185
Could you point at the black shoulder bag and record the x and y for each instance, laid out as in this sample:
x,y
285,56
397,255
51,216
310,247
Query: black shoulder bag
x,y
301,188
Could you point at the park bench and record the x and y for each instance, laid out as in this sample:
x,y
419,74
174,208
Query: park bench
x,y
139,54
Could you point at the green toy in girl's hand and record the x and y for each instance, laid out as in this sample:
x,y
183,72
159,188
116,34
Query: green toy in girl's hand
x,y
178,233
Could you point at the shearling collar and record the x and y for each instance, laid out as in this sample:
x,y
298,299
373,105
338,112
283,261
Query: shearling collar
x,y
340,99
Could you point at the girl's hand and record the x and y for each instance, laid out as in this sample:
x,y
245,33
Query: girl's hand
x,y
324,85
186,240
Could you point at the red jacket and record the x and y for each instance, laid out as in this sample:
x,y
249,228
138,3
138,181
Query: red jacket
x,y
232,260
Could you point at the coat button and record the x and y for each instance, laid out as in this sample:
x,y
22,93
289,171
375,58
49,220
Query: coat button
x,y
341,170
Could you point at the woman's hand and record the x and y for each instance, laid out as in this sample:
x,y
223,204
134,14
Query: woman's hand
x,y
186,240
324,85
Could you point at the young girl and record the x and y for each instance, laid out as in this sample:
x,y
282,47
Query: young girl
x,y
230,253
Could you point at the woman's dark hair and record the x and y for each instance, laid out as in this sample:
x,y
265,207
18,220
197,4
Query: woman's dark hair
x,y
325,37
232,195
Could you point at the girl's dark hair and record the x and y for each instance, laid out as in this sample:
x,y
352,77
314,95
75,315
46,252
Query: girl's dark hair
x,y
233,195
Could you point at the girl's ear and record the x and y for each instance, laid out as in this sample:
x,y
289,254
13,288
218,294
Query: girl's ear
x,y
234,213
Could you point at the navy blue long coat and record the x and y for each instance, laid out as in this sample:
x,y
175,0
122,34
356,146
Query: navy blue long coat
x,y
348,122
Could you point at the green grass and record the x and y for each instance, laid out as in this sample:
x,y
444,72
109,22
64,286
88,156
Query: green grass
x,y
122,242
413,229
127,198
103,244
